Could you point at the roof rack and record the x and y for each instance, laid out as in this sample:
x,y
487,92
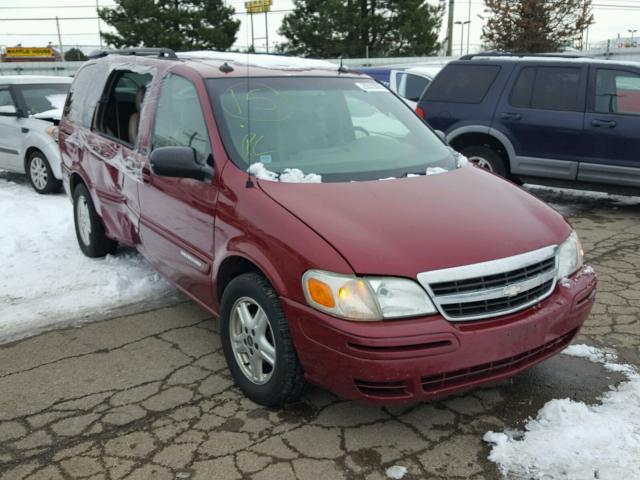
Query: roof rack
x,y
139,52
521,55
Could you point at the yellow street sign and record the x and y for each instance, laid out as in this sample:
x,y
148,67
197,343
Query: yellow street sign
x,y
29,52
258,6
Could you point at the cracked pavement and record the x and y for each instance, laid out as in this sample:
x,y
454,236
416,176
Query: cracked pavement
x,y
148,396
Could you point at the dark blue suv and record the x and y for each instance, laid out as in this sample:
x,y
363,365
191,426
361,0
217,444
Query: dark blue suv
x,y
572,122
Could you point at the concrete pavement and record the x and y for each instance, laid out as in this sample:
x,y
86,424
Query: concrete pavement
x,y
148,396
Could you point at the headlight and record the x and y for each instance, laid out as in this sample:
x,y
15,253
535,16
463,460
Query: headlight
x,y
570,256
52,132
365,298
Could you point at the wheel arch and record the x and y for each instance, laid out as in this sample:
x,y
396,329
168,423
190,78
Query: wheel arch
x,y
28,152
236,264
478,135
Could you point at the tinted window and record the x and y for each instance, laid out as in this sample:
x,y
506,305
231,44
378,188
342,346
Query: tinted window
x,y
617,92
84,94
462,83
179,118
557,88
523,88
340,128
411,86
42,98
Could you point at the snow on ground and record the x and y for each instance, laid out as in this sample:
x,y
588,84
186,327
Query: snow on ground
x,y
396,472
575,441
46,280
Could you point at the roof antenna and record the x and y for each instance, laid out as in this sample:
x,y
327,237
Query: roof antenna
x,y
226,68
342,68
249,183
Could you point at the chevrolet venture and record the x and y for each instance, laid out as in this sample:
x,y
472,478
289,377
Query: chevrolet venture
x,y
253,183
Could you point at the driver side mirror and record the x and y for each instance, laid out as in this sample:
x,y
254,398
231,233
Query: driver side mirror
x,y
179,162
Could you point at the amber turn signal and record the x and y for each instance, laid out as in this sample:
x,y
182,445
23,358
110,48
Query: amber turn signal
x,y
320,293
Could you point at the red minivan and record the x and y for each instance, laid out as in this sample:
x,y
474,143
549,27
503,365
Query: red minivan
x,y
337,237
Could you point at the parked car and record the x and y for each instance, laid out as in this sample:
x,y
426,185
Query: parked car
x,y
410,83
30,109
551,120
250,182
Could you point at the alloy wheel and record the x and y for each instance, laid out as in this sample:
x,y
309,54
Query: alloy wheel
x,y
481,162
252,340
38,173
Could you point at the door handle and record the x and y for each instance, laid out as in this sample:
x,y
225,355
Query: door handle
x,y
510,116
604,123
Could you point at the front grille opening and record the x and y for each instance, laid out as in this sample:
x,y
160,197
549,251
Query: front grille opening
x,y
435,383
400,348
495,305
494,281
382,389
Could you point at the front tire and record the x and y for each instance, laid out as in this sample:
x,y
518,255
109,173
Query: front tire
x,y
257,343
89,229
40,175
486,158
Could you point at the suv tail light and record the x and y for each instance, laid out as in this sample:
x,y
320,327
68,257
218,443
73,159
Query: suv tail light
x,y
420,112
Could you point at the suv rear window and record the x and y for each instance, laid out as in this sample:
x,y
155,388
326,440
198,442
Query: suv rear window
x,y
548,88
462,83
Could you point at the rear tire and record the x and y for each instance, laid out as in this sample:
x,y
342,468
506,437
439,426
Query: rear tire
x,y
89,229
486,158
257,343
40,175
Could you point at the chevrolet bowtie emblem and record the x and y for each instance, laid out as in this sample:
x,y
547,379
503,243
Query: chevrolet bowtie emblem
x,y
511,290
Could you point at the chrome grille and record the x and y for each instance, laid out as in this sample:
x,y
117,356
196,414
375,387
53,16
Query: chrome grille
x,y
489,289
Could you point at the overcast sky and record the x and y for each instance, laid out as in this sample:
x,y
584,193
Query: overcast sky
x,y
611,17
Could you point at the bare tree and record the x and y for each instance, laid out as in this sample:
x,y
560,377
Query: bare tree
x,y
535,25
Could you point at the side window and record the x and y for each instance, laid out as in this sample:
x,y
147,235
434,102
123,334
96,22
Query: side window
x,y
617,91
179,119
523,88
412,86
6,102
119,113
84,94
462,83
557,88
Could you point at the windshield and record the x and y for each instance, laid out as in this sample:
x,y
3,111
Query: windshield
x,y
45,97
340,128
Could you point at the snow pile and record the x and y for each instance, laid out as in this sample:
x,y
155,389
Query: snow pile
x,y
574,441
396,472
436,170
290,175
46,280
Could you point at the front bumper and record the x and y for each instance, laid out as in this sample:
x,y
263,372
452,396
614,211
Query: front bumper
x,y
405,361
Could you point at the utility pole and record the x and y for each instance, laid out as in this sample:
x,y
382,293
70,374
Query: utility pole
x,y
99,28
450,30
468,27
59,38
253,48
266,29
462,24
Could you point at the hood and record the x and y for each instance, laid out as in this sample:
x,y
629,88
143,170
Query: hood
x,y
50,115
406,226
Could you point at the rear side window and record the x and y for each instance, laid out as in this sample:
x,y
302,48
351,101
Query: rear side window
x,y
84,94
462,83
617,91
411,86
179,118
548,88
